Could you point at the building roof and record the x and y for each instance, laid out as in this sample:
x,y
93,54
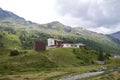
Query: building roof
x,y
55,39
80,44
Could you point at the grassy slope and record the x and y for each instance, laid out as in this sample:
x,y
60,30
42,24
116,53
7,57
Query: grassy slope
x,y
11,41
41,65
46,64
63,56
30,60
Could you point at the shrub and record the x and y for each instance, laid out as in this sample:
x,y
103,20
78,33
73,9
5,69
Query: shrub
x,y
14,53
1,36
1,45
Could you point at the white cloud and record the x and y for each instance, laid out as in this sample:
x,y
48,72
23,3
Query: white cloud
x,y
92,14
106,30
41,11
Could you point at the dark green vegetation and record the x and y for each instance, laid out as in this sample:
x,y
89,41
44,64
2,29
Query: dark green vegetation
x,y
86,56
14,53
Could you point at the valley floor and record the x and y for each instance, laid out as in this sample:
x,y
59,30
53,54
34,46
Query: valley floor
x,y
49,75
111,75
60,75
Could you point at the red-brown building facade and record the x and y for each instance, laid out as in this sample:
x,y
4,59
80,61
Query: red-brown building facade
x,y
39,46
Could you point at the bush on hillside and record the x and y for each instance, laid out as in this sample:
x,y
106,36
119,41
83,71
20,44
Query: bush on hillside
x,y
1,36
1,45
86,57
14,53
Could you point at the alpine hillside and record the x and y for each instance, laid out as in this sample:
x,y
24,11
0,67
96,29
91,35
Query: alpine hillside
x,y
16,32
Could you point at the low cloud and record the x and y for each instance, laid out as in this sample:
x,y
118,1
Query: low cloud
x,y
99,14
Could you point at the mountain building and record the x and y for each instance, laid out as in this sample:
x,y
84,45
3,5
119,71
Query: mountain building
x,y
55,43
39,46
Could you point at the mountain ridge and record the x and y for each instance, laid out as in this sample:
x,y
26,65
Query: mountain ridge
x,y
7,14
24,31
116,35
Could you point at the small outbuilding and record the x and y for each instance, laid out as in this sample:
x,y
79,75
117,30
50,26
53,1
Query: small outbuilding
x,y
39,46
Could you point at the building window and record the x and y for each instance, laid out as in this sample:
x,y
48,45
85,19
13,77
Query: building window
x,y
51,42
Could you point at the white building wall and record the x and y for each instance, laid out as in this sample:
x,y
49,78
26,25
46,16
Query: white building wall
x,y
66,45
72,45
77,45
51,42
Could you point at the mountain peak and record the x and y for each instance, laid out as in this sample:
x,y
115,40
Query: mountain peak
x,y
56,22
1,9
118,32
116,35
4,14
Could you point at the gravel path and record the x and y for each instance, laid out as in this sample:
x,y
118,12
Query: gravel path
x,y
79,76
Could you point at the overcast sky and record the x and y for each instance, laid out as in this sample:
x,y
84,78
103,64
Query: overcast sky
x,y
102,16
